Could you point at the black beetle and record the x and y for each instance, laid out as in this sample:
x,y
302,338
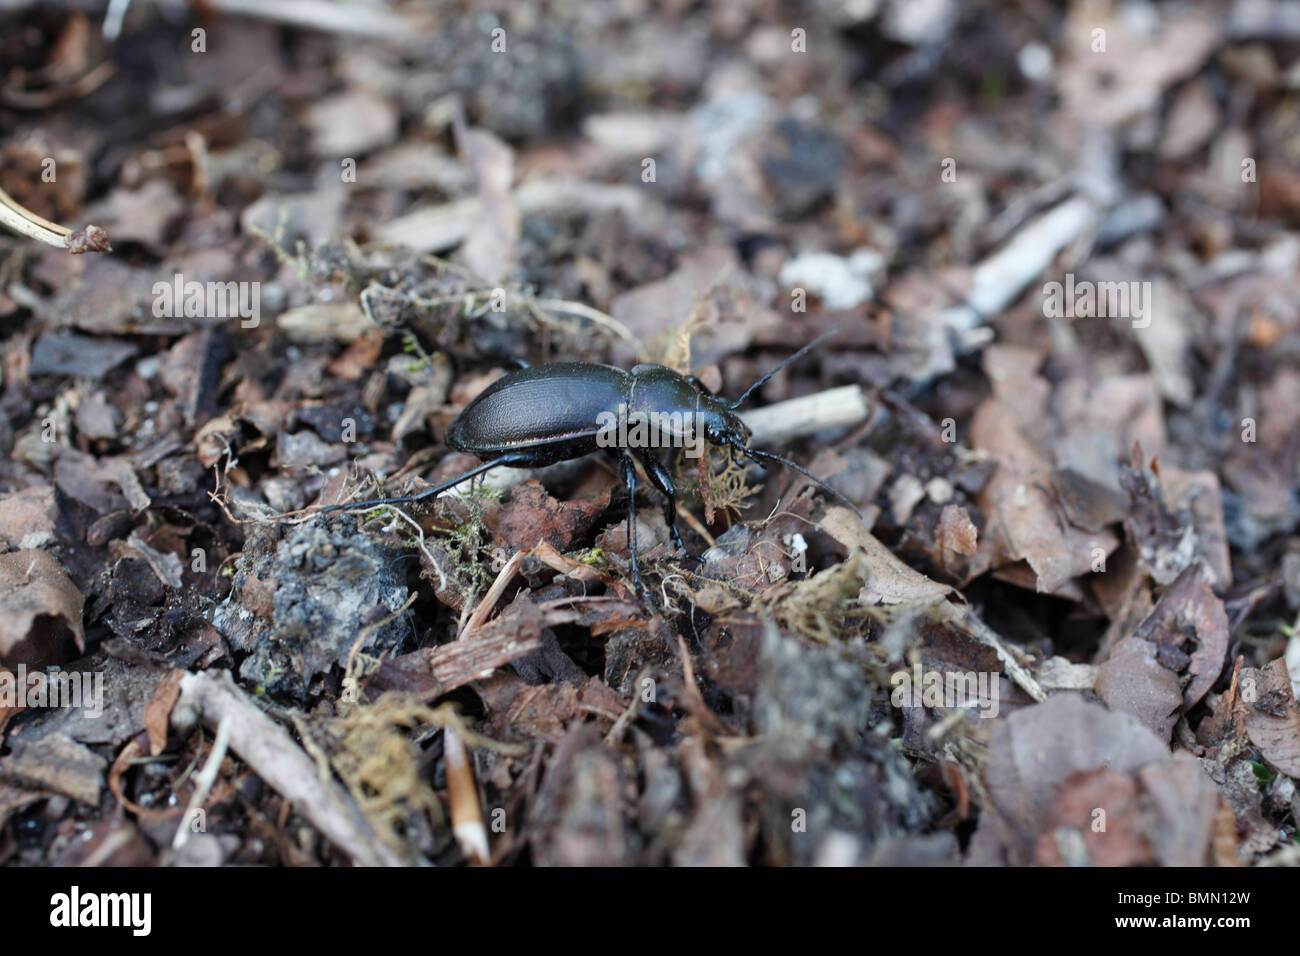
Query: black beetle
x,y
540,415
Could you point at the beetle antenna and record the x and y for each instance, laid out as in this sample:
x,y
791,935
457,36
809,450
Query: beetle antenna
x,y
803,351
759,455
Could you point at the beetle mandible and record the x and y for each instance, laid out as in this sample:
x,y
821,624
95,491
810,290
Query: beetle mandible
x,y
540,415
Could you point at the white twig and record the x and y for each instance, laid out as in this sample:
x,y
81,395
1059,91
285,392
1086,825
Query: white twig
x,y
1003,275
462,794
269,750
326,16
834,408
204,781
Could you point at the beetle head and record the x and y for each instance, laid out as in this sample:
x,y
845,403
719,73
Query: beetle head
x,y
722,426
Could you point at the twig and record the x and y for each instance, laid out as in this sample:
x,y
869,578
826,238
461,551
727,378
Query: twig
x,y
462,794
1019,674
690,690
587,312
326,16
204,781
424,548
696,525
999,278
26,223
485,606
620,726
834,408
269,750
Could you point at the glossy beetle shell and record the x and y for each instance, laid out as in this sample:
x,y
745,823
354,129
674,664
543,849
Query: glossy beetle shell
x,y
547,410
552,412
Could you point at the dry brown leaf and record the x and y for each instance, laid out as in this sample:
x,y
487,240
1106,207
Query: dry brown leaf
x,y
158,712
889,580
1119,843
55,762
351,123
1185,802
1268,707
532,515
40,610
1036,748
489,249
1200,493
1133,681
956,532
27,517
1024,520
1189,609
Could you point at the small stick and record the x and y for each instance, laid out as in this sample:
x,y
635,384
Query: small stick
x,y
485,606
796,417
326,16
1018,673
271,753
696,525
204,781
26,223
1000,277
462,794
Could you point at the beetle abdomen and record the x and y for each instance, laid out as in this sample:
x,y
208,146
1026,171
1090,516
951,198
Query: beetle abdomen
x,y
553,409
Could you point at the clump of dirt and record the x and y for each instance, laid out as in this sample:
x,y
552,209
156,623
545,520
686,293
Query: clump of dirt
x,y
832,781
303,596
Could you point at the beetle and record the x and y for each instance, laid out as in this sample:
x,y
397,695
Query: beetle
x,y
540,415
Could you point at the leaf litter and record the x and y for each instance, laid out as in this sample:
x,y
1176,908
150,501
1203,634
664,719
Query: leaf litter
x,y
1065,592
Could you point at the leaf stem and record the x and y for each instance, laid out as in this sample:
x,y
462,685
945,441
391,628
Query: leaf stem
x,y
26,223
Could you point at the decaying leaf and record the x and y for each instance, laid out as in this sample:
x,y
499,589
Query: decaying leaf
x,y
532,515
1024,519
1133,681
40,610
1076,834
889,580
1189,610
1037,748
27,517
955,539
1185,804
544,712
158,712
55,763
1165,544
1272,721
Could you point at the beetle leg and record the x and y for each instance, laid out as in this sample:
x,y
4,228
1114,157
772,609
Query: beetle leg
x,y
514,458
663,481
628,468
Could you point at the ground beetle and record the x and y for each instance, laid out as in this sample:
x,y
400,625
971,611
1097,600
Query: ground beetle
x,y
563,410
